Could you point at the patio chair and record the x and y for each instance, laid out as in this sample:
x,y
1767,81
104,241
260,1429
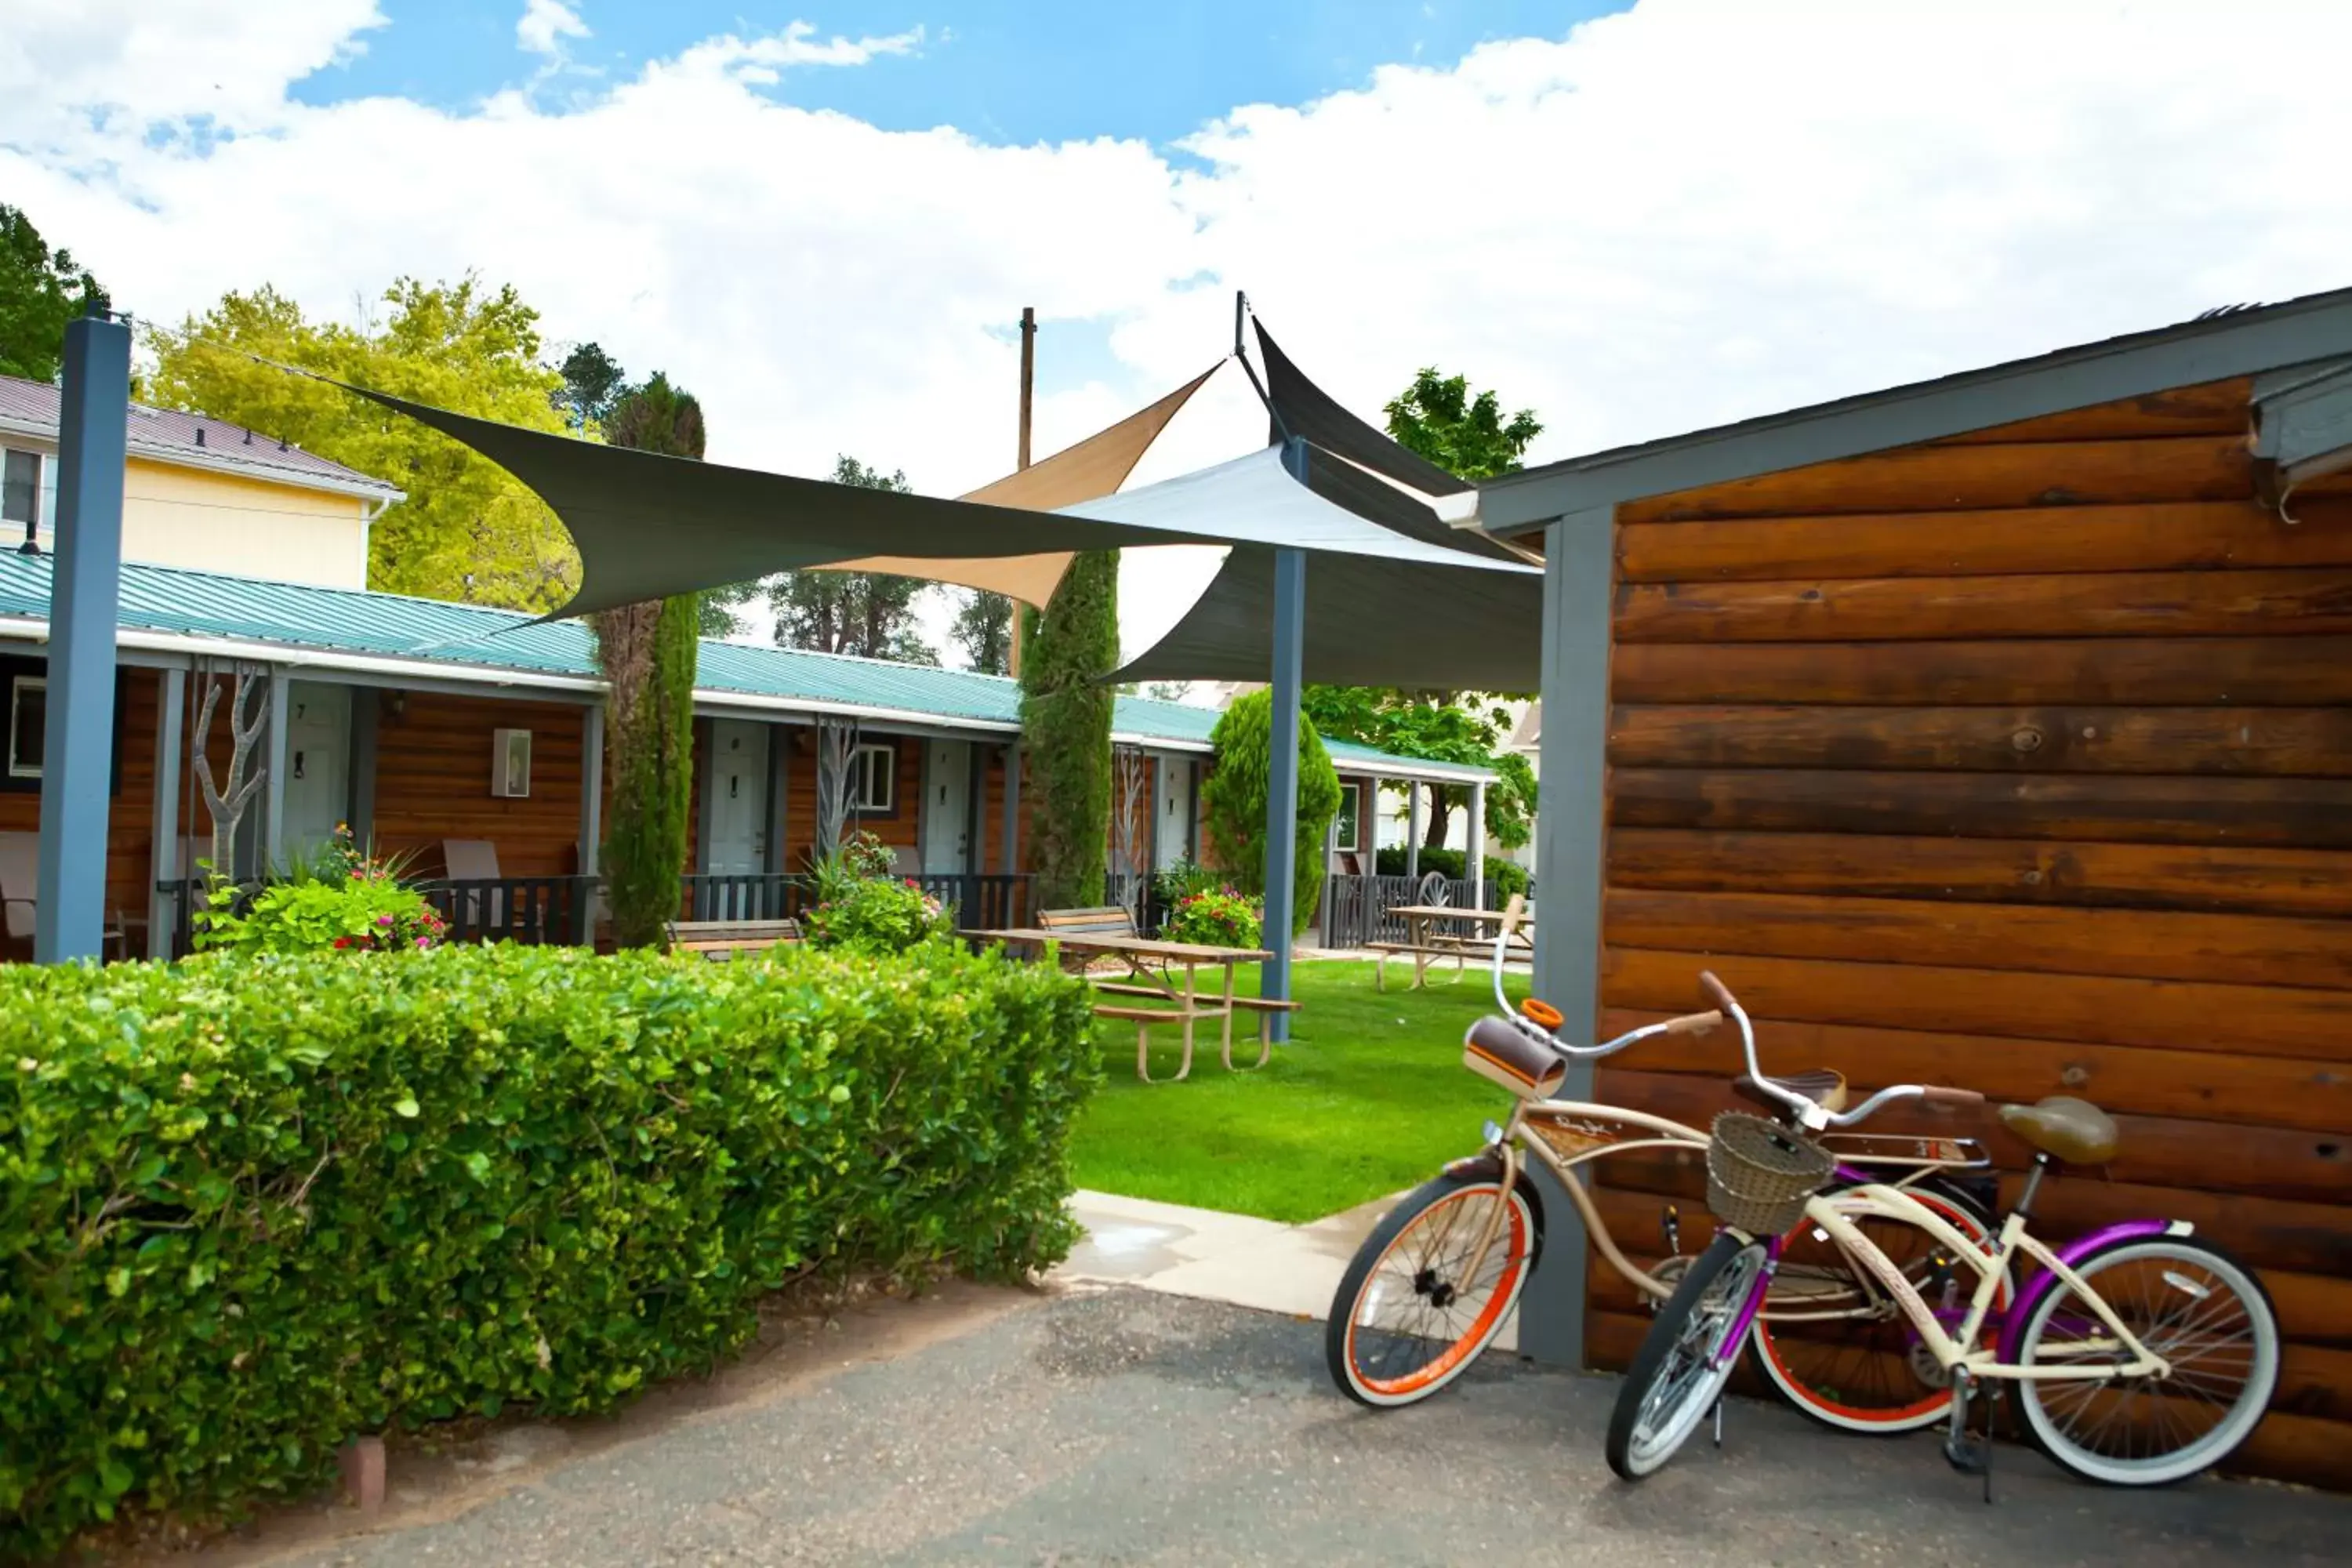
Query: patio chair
x,y
20,874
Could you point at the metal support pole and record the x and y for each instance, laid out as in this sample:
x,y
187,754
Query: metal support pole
x,y
1282,778
162,908
85,594
273,787
1412,829
1578,571
1474,849
1010,865
591,787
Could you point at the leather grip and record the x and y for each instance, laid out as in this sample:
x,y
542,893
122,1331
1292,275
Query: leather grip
x,y
1692,1023
1717,991
1940,1095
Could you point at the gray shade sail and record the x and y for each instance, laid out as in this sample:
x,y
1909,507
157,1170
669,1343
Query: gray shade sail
x,y
1383,607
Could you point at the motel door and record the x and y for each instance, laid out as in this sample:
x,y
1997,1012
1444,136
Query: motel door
x,y
317,763
947,807
739,799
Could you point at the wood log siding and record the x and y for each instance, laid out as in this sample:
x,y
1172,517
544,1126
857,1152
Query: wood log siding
x,y
2021,760
433,779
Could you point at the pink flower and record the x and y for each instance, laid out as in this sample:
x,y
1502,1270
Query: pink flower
x,y
424,942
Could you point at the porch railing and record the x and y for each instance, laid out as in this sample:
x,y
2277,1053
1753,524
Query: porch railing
x,y
1356,909
567,911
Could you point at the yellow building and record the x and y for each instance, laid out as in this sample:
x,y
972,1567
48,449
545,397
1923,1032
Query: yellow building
x,y
199,493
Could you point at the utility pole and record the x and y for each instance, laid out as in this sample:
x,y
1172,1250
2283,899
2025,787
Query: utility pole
x,y
1028,398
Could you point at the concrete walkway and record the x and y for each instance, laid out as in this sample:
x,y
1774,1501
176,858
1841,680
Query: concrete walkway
x,y
1132,1427
1293,1269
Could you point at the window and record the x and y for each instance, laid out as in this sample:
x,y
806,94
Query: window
x,y
874,779
20,487
29,712
1344,828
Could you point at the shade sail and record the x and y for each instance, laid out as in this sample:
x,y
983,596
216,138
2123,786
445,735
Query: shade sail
x,y
1383,608
1305,410
1094,467
648,526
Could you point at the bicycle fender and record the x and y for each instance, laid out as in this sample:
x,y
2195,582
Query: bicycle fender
x,y
2074,1252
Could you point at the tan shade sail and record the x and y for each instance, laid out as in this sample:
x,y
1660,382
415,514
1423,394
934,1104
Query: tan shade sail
x,y
1093,468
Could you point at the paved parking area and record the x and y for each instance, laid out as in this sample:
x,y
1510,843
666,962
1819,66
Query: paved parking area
x,y
1120,1426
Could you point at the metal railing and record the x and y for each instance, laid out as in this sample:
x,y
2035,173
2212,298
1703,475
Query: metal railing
x,y
1356,909
568,910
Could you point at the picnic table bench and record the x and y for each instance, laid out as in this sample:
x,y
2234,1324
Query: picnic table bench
x,y
1427,943
1109,932
720,941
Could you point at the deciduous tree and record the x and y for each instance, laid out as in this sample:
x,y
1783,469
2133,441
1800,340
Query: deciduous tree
x,y
40,290
867,614
467,531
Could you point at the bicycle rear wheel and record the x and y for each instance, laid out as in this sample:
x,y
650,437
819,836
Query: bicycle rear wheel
x,y
1830,1340
1688,1357
1408,1318
2188,1302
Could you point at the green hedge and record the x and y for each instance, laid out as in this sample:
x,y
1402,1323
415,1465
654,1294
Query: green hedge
x,y
251,1208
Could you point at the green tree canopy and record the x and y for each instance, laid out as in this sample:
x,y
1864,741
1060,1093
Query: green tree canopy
x,y
647,653
467,531
984,632
1467,436
1066,714
593,382
1233,798
40,290
867,614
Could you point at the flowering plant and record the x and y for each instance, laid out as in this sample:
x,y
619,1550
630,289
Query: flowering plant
x,y
1217,918
875,914
337,898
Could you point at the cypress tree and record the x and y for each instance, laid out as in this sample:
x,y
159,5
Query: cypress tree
x,y
1066,717
648,654
1234,794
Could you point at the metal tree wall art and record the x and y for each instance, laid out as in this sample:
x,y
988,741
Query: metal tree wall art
x,y
1130,779
836,742
248,716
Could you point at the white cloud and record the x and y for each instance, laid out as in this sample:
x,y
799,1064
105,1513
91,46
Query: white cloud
x,y
1696,211
544,24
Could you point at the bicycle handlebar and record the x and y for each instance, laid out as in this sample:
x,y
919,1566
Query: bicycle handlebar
x,y
1688,1024
1811,1114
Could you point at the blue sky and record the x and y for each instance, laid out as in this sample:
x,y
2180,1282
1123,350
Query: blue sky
x,y
1001,70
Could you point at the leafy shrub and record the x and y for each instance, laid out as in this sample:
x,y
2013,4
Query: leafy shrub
x,y
872,915
857,858
368,912
1234,799
1219,917
251,1208
1180,881
1507,875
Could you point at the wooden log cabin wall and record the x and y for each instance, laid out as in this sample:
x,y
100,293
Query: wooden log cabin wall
x,y
2023,762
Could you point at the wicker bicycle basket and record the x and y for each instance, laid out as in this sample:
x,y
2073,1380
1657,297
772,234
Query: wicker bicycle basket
x,y
1760,1173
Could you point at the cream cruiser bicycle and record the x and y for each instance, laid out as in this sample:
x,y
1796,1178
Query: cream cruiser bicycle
x,y
2140,1353
1438,1277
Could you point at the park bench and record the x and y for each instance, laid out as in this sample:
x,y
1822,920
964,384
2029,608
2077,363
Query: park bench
x,y
720,941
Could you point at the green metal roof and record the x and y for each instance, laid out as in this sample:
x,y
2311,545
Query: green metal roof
x,y
463,641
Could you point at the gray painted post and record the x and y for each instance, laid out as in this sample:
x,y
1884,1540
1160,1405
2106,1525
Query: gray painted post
x,y
367,713
1578,569
172,706
592,786
85,597
1012,828
1413,826
1473,847
273,786
1282,776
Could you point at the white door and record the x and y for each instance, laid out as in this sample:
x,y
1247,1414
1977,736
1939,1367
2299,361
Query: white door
x,y
317,763
947,807
737,825
1173,797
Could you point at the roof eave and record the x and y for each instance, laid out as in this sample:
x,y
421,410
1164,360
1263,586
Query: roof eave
x,y
267,473
2245,344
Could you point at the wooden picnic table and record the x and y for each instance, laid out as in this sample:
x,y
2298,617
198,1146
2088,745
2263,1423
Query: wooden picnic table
x,y
1152,966
1425,943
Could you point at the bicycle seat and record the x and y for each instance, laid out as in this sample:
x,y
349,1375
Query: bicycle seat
x,y
2073,1131
1824,1086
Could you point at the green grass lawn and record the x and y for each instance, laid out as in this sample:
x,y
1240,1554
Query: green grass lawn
x,y
1368,1096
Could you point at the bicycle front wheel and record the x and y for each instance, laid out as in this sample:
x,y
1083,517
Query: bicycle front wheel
x,y
1679,1371
1418,1304
2188,1302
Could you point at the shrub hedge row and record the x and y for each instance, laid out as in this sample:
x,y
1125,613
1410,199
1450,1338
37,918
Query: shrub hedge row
x,y
251,1208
